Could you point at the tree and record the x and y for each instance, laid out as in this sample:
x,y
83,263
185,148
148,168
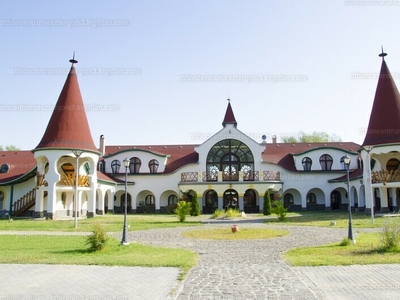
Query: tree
x,y
267,204
9,148
315,137
194,206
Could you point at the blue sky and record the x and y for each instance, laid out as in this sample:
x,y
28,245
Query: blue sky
x,y
134,56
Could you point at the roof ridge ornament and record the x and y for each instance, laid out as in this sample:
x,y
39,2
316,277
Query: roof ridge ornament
x,y
73,60
383,54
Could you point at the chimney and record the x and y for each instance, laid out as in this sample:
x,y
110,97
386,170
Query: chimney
x,y
102,145
274,139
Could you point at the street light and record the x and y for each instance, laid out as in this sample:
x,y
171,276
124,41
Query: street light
x,y
346,160
370,183
124,242
77,154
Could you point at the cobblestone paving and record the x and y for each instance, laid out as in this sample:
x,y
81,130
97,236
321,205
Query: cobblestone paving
x,y
245,269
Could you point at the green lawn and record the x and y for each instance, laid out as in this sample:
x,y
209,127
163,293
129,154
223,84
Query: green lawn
x,y
242,234
111,223
366,251
323,219
43,249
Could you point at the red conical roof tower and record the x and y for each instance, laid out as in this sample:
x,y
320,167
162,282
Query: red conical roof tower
x,y
229,116
68,127
384,122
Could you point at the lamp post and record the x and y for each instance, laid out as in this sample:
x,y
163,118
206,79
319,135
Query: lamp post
x,y
77,154
346,160
124,242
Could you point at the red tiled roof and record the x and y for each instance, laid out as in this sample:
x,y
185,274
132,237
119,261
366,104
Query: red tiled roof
x,y
384,122
281,153
229,116
68,127
19,162
179,155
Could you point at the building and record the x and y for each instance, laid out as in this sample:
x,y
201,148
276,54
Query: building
x,y
230,169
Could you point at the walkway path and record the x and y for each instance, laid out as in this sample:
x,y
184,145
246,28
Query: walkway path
x,y
246,269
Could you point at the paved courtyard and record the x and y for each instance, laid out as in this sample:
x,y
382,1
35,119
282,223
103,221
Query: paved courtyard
x,y
246,269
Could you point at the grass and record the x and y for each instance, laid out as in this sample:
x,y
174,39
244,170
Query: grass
x,y
44,249
366,251
111,223
242,234
323,219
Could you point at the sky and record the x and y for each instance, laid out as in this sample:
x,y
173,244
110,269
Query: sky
x,y
160,72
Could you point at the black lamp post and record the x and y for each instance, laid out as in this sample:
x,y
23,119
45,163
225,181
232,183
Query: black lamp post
x,y
124,242
346,160
77,154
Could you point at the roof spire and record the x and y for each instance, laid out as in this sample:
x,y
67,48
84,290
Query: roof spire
x,y
383,54
229,116
73,60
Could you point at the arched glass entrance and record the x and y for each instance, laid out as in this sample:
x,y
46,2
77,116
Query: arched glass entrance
x,y
231,199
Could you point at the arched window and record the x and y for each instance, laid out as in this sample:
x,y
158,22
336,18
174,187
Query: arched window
x,y
392,164
326,162
307,162
149,200
115,166
249,198
311,198
153,165
135,164
229,156
344,167
288,199
172,199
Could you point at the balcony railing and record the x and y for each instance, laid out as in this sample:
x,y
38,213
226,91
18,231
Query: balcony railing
x,y
385,176
221,176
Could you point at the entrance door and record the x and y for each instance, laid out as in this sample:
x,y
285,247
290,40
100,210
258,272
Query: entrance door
x,y
231,199
335,200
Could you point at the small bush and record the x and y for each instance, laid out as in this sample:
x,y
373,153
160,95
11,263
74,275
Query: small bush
x,y
232,213
182,210
390,235
217,213
345,242
195,206
98,239
279,210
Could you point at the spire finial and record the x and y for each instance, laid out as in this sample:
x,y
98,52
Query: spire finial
x,y
383,54
229,99
73,60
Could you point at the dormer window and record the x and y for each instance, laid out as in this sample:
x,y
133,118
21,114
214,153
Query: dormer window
x,y
115,166
4,168
326,162
135,164
153,165
307,163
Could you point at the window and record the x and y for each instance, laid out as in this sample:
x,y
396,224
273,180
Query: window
x,y
342,163
63,199
101,166
135,165
311,198
4,168
307,162
288,199
392,164
249,198
326,162
229,156
247,173
115,166
149,200
172,199
212,174
153,165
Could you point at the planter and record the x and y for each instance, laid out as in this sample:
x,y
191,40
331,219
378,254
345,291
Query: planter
x,y
234,228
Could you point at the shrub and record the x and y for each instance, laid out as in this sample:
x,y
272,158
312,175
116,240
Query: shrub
x,y
194,206
279,210
98,239
267,204
182,210
217,213
232,213
390,235
345,242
